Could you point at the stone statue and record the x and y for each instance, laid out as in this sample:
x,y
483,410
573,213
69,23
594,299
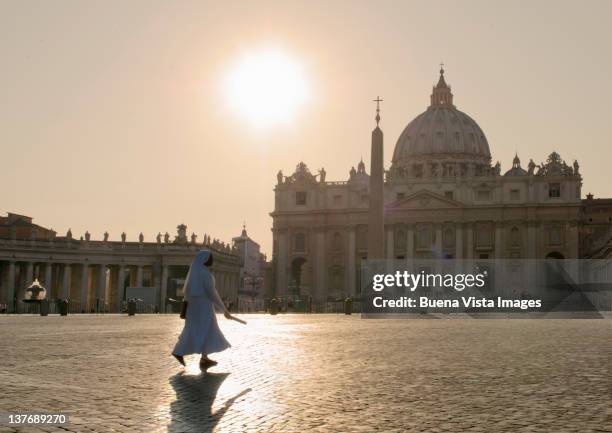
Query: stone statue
x,y
435,171
141,237
497,169
531,167
158,237
69,234
194,237
279,177
352,173
322,175
576,167
167,237
123,236
87,236
181,233
105,236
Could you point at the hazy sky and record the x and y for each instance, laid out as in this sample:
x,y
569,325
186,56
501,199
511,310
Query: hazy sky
x,y
113,113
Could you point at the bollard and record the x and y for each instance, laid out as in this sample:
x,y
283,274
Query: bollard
x,y
273,307
131,307
62,306
44,308
348,306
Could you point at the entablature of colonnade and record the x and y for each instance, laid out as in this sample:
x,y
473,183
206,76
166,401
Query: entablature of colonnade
x,y
64,252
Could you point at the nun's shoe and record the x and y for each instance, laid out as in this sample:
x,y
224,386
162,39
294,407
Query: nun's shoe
x,y
179,358
205,363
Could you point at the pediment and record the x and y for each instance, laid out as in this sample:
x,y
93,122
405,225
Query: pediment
x,y
424,200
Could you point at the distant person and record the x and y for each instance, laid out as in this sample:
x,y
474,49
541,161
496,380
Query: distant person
x,y
201,333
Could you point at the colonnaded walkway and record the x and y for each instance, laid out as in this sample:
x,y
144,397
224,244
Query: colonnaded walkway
x,y
322,373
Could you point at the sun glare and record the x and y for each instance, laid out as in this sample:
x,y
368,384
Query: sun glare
x,y
267,87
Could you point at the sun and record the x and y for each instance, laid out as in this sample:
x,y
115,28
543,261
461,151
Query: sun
x,y
267,87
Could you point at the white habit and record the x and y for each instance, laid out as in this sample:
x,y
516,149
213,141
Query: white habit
x,y
201,333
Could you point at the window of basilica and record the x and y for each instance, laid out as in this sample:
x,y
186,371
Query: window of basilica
x,y
299,243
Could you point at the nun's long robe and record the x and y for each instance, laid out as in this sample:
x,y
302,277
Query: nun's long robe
x,y
201,333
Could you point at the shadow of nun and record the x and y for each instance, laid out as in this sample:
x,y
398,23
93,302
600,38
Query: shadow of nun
x,y
195,395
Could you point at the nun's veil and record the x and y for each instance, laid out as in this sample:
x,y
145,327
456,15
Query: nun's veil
x,y
198,273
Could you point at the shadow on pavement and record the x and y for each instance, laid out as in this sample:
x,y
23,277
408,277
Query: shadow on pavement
x,y
195,395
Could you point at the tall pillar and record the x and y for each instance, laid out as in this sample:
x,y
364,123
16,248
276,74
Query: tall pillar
x,y
376,228
66,280
352,272
500,268
320,291
84,287
27,280
531,240
390,245
532,265
164,288
458,241
11,286
139,276
469,241
438,247
499,240
29,274
281,263
48,279
120,287
573,253
101,284
410,242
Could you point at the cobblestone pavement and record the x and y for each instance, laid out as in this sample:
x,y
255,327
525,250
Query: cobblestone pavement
x,y
322,373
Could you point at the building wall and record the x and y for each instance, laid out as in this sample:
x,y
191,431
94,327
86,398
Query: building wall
x,y
464,217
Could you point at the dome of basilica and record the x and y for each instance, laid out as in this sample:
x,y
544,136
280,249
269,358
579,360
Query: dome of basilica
x,y
442,132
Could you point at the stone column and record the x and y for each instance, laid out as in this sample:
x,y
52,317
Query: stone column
x,y
499,240
390,245
29,274
11,286
48,279
410,242
120,287
352,272
164,288
438,247
84,287
66,280
469,241
26,279
320,290
281,265
531,240
458,241
101,284
572,241
139,276
532,263
500,268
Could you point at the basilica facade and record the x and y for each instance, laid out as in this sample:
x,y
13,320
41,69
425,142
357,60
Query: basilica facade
x,y
443,198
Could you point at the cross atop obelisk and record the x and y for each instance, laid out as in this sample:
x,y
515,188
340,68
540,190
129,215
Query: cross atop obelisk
x,y
378,101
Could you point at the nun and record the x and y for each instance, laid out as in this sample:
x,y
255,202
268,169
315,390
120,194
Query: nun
x,y
201,333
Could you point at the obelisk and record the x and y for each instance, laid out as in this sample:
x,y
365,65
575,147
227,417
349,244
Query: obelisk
x,y
376,224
